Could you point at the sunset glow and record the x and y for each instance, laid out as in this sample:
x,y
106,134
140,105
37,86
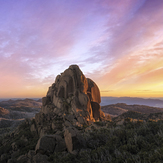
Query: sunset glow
x,y
118,44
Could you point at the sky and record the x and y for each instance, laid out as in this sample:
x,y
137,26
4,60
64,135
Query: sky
x,y
116,43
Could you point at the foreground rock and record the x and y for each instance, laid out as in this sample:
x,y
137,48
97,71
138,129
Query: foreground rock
x,y
50,143
73,139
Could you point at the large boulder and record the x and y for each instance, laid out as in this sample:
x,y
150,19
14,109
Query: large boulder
x,y
74,94
73,139
48,144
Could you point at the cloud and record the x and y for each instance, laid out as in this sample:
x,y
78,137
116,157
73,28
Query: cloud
x,y
136,27
131,72
116,43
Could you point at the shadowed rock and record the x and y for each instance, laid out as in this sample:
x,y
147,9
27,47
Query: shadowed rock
x,y
49,143
73,139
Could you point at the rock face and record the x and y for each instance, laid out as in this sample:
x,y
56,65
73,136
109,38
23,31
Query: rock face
x,y
74,94
72,102
73,139
50,143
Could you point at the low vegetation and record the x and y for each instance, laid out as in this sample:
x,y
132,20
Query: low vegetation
x,y
131,142
134,140
17,143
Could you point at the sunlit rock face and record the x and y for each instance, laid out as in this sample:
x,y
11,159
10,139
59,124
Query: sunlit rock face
x,y
74,94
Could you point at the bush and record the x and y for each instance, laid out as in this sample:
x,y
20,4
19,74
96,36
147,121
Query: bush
x,y
133,142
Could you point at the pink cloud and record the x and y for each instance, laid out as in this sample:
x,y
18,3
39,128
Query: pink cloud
x,y
109,39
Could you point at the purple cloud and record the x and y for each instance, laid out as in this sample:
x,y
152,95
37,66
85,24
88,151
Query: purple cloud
x,y
39,39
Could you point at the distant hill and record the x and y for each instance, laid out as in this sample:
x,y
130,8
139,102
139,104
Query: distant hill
x,y
133,115
6,99
18,109
132,101
20,103
13,112
120,108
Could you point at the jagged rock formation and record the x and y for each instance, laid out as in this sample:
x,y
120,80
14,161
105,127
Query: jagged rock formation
x,y
72,101
71,105
73,93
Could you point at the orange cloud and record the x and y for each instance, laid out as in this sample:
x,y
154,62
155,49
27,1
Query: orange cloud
x,y
135,72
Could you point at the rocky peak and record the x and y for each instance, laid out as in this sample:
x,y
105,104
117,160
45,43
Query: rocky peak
x,y
73,93
72,103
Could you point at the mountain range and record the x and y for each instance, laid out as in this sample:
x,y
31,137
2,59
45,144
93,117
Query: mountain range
x,y
132,100
153,102
13,112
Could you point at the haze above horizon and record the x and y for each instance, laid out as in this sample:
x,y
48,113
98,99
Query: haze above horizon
x,y
118,44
